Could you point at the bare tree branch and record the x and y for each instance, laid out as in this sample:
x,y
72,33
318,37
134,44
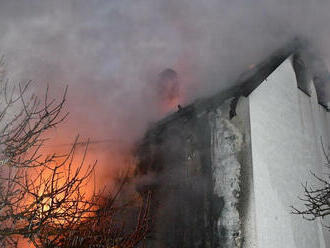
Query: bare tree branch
x,y
43,198
315,199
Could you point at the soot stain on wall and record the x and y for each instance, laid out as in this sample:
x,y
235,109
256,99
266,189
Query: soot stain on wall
x,y
191,205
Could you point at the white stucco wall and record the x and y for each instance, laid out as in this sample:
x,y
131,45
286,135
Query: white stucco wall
x,y
286,126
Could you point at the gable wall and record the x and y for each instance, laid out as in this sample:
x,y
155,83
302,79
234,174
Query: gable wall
x,y
286,126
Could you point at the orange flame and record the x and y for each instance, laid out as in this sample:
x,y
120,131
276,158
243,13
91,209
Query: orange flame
x,y
106,172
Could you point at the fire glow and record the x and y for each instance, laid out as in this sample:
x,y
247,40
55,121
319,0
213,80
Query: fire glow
x,y
114,161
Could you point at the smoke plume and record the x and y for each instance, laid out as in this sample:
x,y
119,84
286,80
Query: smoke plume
x,y
110,53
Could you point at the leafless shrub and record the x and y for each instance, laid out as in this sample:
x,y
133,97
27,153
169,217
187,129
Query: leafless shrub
x,y
108,228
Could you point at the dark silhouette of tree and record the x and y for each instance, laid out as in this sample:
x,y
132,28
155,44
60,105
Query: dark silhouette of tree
x,y
42,196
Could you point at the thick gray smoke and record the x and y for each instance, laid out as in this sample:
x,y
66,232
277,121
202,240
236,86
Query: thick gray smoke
x,y
110,52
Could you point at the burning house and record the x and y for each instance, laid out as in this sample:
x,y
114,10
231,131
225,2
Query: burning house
x,y
226,169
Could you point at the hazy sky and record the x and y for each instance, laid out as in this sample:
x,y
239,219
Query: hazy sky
x,y
110,52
